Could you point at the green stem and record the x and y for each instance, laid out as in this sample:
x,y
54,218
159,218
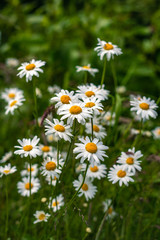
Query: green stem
x,y
58,154
35,102
101,225
92,127
6,226
104,71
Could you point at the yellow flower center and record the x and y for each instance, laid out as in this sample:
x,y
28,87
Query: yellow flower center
x,y
86,67
50,166
11,95
13,103
94,169
59,128
54,204
27,186
32,169
110,210
30,67
90,105
45,149
41,217
91,147
75,110
95,128
130,160
27,148
108,46
84,187
158,131
121,173
6,171
144,106
108,118
89,93
65,99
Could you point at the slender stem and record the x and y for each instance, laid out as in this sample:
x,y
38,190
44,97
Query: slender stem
x,y
92,127
101,225
76,193
114,75
35,101
104,71
58,154
6,227
85,77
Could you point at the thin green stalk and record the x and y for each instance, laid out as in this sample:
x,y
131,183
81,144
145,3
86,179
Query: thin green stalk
x,y
104,71
76,193
6,188
101,225
35,102
58,154
92,127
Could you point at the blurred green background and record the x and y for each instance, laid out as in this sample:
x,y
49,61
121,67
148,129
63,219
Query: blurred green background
x,y
64,34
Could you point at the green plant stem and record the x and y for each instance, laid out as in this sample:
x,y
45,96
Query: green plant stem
x,y
92,127
35,102
6,226
76,193
58,154
104,71
101,225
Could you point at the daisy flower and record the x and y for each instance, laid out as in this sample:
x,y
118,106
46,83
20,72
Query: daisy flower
x,y
51,138
121,89
98,130
34,170
130,160
60,130
107,48
94,104
87,189
52,181
41,216
107,206
46,150
30,69
87,68
49,167
24,186
12,62
145,107
28,147
11,94
98,171
92,151
75,111
6,157
156,133
57,203
90,90
7,169
14,104
63,98
118,174
109,118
